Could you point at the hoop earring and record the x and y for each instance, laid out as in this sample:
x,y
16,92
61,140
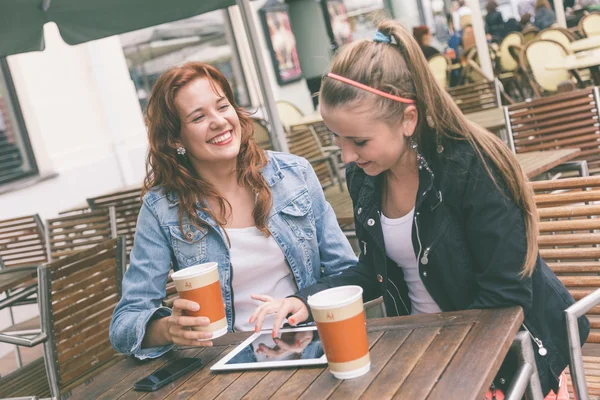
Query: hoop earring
x,y
181,150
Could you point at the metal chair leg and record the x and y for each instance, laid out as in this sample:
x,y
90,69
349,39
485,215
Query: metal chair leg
x,y
526,381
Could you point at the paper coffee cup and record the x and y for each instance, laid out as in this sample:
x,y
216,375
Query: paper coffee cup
x,y
341,323
200,283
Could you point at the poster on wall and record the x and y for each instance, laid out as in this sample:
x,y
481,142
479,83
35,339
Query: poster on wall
x,y
281,42
337,22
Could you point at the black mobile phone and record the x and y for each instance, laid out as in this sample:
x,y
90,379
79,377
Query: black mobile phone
x,y
167,374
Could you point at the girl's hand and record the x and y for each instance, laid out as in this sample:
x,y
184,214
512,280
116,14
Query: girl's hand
x,y
179,326
281,308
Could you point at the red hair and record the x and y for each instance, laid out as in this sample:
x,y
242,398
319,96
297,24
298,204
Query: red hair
x,y
175,174
419,32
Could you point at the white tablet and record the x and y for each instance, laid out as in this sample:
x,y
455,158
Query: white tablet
x,y
295,347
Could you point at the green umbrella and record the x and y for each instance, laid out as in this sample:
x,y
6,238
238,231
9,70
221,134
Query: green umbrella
x,y
22,29
22,21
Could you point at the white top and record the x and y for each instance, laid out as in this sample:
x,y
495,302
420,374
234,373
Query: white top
x,y
259,267
397,236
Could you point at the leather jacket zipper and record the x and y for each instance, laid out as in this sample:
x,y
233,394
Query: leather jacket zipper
x,y
542,351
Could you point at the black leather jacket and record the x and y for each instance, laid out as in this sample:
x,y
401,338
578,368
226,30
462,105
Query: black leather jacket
x,y
470,243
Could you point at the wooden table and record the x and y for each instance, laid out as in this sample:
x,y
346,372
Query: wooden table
x,y
538,162
491,119
585,44
451,355
585,60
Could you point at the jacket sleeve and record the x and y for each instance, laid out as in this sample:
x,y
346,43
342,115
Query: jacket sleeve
x,y
350,271
144,287
496,238
335,251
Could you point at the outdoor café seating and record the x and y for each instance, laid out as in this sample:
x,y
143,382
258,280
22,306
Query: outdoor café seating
x,y
567,120
534,57
77,295
569,238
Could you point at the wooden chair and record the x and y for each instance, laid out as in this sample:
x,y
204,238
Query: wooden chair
x,y
77,295
127,204
589,25
569,243
22,242
567,120
476,96
289,114
530,34
22,249
534,58
261,134
440,67
559,35
78,231
303,142
508,71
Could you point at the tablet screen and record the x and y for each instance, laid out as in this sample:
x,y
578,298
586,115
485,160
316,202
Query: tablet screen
x,y
290,345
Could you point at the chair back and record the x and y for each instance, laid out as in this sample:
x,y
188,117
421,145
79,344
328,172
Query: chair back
x,y
566,120
507,62
261,134
22,241
540,53
529,34
303,141
569,241
70,233
476,97
440,67
127,204
289,114
589,25
559,35
77,296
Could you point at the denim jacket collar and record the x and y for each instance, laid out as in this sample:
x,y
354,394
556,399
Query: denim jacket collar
x,y
271,172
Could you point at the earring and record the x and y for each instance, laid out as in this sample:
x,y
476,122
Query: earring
x,y
181,150
413,144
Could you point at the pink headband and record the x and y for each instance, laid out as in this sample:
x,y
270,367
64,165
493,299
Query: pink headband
x,y
370,89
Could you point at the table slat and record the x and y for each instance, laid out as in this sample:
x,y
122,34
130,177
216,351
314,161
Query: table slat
x,y
325,384
433,363
190,384
479,358
401,364
380,354
270,384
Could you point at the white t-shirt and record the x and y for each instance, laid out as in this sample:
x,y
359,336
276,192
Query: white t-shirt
x,y
259,267
397,236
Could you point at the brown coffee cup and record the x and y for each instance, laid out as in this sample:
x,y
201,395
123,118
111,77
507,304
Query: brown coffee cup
x,y
342,326
200,283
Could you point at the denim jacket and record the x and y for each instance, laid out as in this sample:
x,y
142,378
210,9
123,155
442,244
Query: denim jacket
x,y
301,221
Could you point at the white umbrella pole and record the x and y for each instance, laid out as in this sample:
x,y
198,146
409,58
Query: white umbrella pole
x,y
276,131
559,10
480,40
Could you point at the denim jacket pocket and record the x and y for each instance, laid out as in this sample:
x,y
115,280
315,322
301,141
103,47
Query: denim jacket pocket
x,y
189,246
299,217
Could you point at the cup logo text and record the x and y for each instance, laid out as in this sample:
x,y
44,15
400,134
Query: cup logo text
x,y
188,285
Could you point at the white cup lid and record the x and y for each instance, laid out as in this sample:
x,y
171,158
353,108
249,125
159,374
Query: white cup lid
x,y
194,270
335,297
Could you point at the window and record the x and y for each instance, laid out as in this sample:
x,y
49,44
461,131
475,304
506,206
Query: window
x,y
207,38
16,157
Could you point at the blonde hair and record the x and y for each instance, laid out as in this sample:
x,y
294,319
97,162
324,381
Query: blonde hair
x,y
401,69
